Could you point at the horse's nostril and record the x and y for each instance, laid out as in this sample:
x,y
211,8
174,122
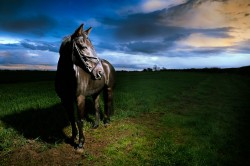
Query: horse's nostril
x,y
99,74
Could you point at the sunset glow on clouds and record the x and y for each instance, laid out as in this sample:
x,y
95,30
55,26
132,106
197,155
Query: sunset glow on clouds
x,y
233,14
132,34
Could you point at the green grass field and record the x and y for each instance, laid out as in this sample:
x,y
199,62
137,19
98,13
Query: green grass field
x,y
161,118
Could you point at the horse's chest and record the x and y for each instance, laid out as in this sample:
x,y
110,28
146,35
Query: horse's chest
x,y
87,86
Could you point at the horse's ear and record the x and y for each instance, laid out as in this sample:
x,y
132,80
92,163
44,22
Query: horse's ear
x,y
88,31
79,31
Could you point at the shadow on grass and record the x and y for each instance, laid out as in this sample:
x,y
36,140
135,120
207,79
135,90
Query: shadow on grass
x,y
44,124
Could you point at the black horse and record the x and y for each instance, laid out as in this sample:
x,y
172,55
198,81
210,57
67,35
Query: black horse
x,y
81,73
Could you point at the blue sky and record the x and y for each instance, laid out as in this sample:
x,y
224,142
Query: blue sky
x,y
131,34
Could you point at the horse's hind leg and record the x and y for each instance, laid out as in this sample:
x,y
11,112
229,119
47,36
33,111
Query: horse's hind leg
x,y
108,104
80,111
97,111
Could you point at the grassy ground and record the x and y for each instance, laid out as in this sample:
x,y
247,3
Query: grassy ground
x,y
161,118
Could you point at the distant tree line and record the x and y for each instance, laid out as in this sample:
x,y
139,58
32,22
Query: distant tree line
x,y
155,68
245,70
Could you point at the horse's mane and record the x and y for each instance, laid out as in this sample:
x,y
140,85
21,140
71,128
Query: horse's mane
x,y
66,39
63,47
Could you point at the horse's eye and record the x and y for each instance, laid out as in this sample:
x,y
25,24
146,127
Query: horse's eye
x,y
82,46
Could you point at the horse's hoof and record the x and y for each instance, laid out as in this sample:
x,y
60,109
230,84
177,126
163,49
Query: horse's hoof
x,y
95,126
79,150
106,121
106,124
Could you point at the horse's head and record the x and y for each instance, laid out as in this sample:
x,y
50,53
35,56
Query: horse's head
x,y
84,52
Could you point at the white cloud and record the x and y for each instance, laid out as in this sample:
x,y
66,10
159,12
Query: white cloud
x,y
9,40
153,5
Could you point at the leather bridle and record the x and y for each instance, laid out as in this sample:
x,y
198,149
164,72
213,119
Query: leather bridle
x,y
85,58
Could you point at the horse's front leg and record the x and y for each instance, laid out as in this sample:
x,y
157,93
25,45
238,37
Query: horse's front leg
x,y
69,106
80,111
97,111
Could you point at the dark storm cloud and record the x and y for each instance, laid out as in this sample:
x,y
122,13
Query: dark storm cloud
x,y
146,47
17,16
166,40
129,66
10,46
242,47
32,45
215,32
9,8
39,17
137,26
208,51
38,24
106,46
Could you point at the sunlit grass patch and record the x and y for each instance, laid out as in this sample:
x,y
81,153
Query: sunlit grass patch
x,y
132,146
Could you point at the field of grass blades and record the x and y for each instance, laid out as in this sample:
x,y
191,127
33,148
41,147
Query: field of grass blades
x,y
161,118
